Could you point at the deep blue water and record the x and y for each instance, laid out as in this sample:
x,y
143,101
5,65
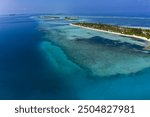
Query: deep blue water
x,y
27,73
24,72
18,56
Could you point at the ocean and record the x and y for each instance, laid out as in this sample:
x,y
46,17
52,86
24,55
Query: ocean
x,y
51,60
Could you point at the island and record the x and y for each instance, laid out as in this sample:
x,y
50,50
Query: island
x,y
119,30
71,18
49,17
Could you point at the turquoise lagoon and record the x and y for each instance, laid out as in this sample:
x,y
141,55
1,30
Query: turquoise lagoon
x,y
60,61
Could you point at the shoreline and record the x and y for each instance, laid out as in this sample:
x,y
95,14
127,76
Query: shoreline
x,y
132,36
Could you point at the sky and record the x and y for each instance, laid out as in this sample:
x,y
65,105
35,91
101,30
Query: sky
x,y
135,7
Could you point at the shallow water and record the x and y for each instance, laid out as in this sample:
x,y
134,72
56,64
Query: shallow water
x,y
52,60
97,53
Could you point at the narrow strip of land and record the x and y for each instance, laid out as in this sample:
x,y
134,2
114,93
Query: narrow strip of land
x,y
118,30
